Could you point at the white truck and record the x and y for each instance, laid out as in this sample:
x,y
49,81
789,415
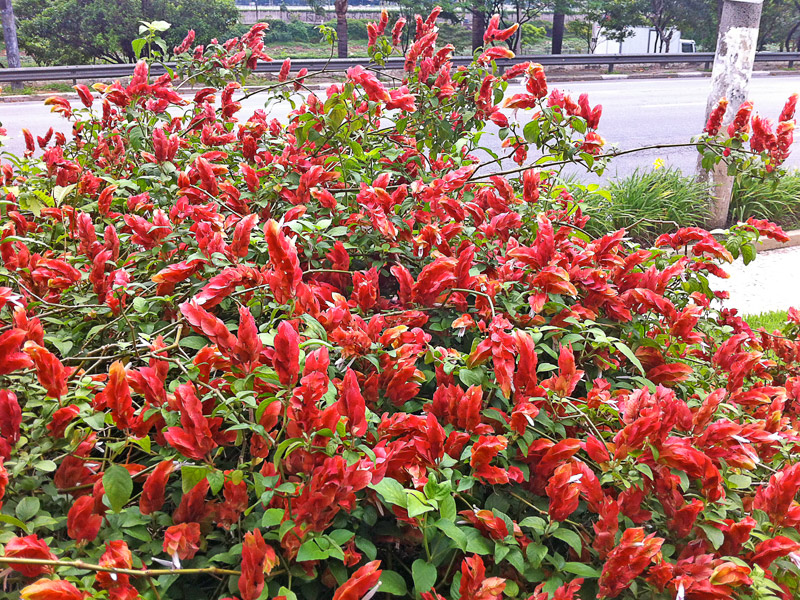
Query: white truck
x,y
645,40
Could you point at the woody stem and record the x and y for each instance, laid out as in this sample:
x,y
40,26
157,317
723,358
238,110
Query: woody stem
x,y
477,293
79,564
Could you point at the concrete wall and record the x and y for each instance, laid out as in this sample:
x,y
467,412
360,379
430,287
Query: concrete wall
x,y
249,14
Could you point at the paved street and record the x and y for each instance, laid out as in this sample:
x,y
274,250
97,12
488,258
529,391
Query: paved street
x,y
636,112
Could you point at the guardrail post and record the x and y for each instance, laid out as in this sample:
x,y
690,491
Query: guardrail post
x,y
610,67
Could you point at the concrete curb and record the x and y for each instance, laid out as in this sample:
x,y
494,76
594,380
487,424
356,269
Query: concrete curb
x,y
767,244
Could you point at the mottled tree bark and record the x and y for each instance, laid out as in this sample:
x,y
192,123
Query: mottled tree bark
x,y
730,78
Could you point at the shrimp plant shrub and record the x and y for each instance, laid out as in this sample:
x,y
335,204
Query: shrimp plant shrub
x,y
338,356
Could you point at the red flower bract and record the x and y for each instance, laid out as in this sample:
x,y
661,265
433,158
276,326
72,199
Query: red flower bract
x,y
634,553
46,589
182,540
83,524
360,583
332,317
30,546
258,558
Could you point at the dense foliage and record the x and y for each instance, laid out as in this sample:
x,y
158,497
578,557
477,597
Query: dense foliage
x,y
74,32
337,356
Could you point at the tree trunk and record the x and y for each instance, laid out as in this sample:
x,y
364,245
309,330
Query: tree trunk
x,y
733,66
558,33
478,27
790,35
10,38
341,26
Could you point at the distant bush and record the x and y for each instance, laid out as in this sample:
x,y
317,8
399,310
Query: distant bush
x,y
458,35
649,203
766,200
531,34
291,31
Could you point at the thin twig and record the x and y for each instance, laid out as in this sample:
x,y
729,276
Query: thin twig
x,y
79,564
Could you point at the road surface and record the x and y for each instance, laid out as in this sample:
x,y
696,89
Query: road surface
x,y
636,112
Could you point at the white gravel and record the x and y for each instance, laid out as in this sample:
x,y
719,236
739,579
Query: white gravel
x,y
770,282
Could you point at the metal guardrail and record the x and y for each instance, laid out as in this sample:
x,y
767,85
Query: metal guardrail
x,y
114,71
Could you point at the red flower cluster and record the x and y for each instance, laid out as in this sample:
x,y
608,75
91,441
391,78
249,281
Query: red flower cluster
x,y
327,357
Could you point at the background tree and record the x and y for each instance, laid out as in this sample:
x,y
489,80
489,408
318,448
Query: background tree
x,y
664,16
780,25
615,19
696,19
583,29
84,31
562,8
341,27
478,23
10,36
451,12
510,11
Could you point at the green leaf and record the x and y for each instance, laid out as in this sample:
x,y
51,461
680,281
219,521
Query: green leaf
x,y
471,376
622,347
714,535
137,46
740,482
191,475
393,583
531,131
216,479
367,547
341,536
538,524
570,537
581,570
748,253
391,491
447,508
27,508
500,552
272,517
193,342
159,26
452,531
416,506
12,521
476,543
516,560
48,466
535,553
424,574
310,550
118,486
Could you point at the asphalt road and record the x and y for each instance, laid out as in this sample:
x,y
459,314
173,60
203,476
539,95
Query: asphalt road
x,y
636,112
